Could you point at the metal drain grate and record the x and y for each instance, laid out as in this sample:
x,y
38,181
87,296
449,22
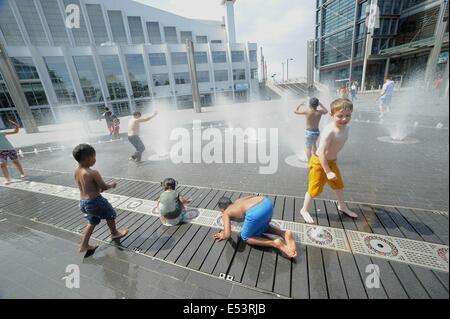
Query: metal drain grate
x,y
408,251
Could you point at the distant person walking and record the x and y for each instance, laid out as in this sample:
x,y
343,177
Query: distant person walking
x,y
8,151
133,134
109,120
386,96
354,90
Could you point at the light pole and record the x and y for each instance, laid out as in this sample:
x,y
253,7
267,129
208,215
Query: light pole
x,y
282,64
287,68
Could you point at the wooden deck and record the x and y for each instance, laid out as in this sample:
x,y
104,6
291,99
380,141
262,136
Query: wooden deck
x,y
316,273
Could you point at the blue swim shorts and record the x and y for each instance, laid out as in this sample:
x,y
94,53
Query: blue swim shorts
x,y
257,220
311,136
97,209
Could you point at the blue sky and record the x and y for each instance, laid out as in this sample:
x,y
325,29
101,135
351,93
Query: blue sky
x,y
282,27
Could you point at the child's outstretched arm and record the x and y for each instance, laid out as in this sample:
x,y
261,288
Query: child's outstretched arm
x,y
148,118
101,183
324,109
298,108
226,233
185,200
16,128
326,140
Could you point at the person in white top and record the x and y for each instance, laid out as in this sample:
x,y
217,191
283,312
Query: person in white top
x,y
386,96
354,90
133,134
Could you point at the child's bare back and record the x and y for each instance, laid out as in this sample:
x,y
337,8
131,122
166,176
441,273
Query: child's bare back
x,y
313,119
89,182
238,209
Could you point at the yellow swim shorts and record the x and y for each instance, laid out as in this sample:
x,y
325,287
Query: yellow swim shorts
x,y
318,178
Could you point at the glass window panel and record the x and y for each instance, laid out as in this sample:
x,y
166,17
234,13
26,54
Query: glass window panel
x,y
219,56
202,39
32,22
201,57
9,26
179,58
171,35
61,81
157,59
88,77
238,74
202,76
113,76
237,56
97,23
138,78
5,98
221,75
182,78
161,79
117,28
137,34
253,56
154,33
55,22
185,35
25,68
337,14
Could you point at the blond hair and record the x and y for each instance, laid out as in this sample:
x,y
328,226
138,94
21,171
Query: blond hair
x,y
341,104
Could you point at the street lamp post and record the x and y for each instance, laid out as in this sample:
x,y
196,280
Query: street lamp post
x,y
287,68
282,64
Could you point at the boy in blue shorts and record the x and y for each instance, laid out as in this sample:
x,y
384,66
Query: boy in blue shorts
x,y
92,203
256,212
313,116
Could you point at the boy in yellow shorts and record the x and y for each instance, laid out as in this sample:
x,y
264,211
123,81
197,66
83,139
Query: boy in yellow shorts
x,y
323,168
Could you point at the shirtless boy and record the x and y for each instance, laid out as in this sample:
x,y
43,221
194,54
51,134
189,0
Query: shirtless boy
x,y
323,167
133,134
92,203
313,116
256,212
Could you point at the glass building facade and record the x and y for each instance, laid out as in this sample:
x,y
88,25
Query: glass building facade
x,y
119,54
341,36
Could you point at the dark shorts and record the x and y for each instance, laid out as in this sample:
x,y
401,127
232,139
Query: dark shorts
x,y
97,209
12,154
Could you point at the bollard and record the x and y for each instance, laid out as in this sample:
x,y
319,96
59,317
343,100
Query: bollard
x,y
36,151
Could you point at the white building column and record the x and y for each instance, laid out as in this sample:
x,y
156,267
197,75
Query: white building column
x,y
211,71
230,24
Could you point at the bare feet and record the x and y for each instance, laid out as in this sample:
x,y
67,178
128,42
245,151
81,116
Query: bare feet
x,y
121,233
284,249
348,212
307,217
7,182
87,248
290,241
